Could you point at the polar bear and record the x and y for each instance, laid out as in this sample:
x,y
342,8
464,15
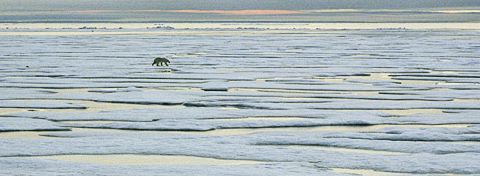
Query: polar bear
x,y
160,60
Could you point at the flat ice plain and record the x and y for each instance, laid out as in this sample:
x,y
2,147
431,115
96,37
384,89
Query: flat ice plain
x,y
239,101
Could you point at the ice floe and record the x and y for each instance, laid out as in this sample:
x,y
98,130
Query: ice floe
x,y
25,124
306,102
39,105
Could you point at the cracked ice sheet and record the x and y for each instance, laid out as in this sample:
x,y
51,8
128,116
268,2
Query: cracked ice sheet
x,y
204,119
38,105
123,83
338,104
39,167
324,87
136,97
416,134
447,117
382,138
150,114
18,93
172,125
311,97
152,97
457,93
247,147
25,124
85,116
352,54
209,118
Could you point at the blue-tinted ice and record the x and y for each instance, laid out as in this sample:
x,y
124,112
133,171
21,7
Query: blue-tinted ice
x,y
400,101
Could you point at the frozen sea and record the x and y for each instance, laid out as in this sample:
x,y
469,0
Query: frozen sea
x,y
240,99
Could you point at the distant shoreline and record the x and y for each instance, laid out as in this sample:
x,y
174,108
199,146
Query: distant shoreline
x,y
165,26
233,21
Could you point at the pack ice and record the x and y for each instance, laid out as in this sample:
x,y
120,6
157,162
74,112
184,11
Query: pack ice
x,y
303,102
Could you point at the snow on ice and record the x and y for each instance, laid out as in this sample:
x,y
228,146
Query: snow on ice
x,y
307,102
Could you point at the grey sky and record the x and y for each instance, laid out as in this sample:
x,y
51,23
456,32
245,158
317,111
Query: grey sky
x,y
133,10
39,5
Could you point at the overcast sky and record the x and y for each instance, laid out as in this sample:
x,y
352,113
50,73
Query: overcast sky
x,y
236,10
39,5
